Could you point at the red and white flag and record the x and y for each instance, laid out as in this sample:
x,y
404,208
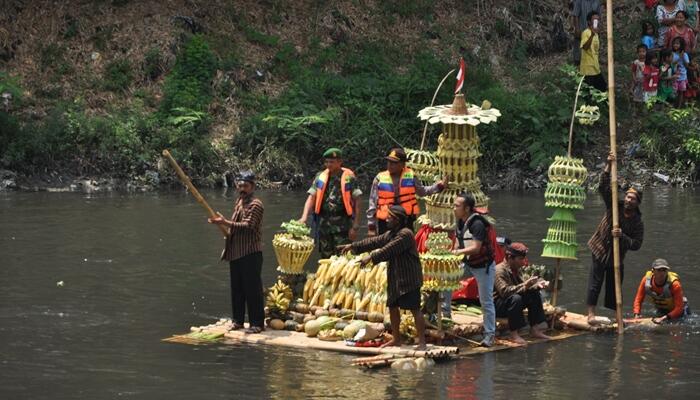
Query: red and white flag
x,y
460,75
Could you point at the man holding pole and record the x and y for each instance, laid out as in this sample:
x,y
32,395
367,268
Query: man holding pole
x,y
243,251
630,234
333,201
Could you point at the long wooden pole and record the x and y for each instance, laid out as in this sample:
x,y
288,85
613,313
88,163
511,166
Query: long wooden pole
x,y
188,183
613,167
555,290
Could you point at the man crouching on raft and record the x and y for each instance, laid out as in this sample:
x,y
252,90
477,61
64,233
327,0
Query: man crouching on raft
x,y
404,274
663,289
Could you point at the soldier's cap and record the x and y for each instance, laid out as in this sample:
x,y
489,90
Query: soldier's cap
x,y
333,153
517,249
246,176
396,154
660,263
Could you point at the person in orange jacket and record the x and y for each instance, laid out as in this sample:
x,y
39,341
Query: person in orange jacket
x,y
663,289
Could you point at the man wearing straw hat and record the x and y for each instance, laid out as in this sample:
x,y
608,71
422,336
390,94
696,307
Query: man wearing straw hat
x,y
630,232
334,201
398,185
243,251
404,274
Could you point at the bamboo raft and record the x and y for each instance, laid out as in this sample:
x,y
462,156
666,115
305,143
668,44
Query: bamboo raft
x,y
301,341
568,325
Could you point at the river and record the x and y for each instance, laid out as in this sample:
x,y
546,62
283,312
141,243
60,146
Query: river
x,y
92,282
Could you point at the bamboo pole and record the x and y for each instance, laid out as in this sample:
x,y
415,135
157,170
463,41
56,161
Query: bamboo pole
x,y
432,102
555,291
613,167
198,196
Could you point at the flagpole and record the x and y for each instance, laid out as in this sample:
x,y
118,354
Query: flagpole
x,y
613,166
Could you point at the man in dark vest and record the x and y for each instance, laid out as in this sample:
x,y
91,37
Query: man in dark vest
x,y
630,232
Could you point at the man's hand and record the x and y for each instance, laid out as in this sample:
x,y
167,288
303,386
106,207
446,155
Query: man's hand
x,y
611,157
371,231
458,252
365,260
531,281
577,33
352,234
638,315
218,220
659,319
616,232
302,219
344,248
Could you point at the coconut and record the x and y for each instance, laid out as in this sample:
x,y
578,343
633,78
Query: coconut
x,y
276,324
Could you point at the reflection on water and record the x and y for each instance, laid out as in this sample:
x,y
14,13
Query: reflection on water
x,y
140,267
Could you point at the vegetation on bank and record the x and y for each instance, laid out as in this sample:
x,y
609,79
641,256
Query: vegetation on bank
x,y
361,95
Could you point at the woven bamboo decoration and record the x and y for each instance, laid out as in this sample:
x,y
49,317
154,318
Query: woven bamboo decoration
x,y
458,154
564,193
425,165
441,269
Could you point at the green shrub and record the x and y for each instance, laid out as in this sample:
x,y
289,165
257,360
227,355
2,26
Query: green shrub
x,y
153,63
118,75
671,138
188,85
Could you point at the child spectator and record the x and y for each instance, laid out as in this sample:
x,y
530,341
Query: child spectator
x,y
680,60
638,74
681,30
666,16
666,76
651,75
648,35
693,78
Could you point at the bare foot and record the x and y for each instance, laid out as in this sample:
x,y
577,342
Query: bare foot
x,y
592,320
536,333
514,337
392,342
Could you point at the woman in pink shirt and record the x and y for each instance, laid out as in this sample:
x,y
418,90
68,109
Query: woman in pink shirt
x,y
682,30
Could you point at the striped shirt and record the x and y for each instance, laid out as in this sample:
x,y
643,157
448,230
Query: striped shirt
x,y
404,273
245,234
601,243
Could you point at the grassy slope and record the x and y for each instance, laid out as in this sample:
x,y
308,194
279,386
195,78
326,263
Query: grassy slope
x,y
66,50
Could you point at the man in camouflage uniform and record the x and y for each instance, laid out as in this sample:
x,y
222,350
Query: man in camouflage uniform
x,y
333,201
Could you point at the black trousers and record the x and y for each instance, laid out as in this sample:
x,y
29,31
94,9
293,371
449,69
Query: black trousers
x,y
381,224
597,81
599,273
247,289
513,307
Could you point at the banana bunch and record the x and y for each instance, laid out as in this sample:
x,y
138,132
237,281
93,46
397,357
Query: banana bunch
x,y
588,115
278,298
439,285
407,327
289,241
439,243
342,282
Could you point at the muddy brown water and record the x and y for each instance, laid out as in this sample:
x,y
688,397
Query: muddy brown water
x,y
136,268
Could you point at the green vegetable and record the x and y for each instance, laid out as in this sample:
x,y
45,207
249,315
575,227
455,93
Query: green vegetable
x,y
296,228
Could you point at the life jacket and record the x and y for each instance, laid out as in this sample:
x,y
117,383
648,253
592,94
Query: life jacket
x,y
386,195
345,188
663,301
489,251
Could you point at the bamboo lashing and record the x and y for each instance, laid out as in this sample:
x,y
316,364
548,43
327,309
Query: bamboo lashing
x,y
198,196
613,167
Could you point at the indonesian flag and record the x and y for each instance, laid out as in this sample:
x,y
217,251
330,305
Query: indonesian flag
x,y
460,75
